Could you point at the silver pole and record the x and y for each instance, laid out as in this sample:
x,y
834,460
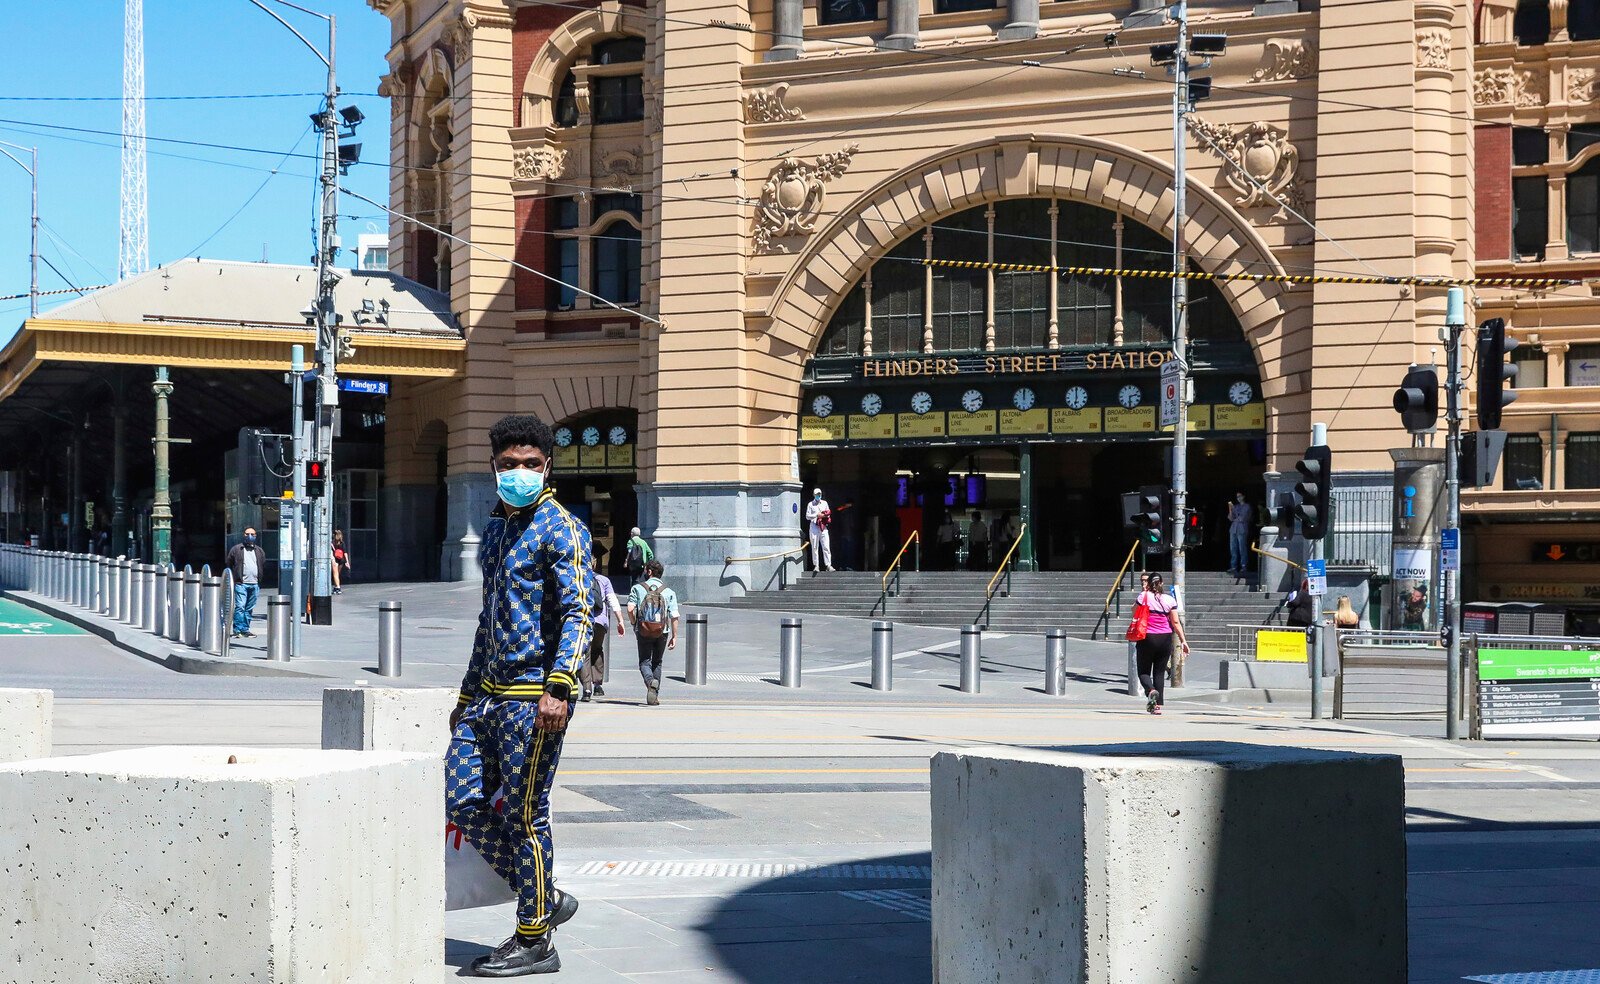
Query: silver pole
x,y
1055,662
1456,322
119,590
225,617
694,655
971,659
124,589
75,579
297,367
174,624
1319,437
135,594
210,616
278,622
152,598
191,607
1180,305
882,655
789,652
1134,689
389,638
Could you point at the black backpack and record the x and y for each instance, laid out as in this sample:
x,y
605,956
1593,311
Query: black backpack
x,y
634,562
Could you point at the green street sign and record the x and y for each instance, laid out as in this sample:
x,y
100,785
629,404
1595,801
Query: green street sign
x,y
1537,664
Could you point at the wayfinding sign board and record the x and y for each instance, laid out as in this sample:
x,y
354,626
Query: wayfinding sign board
x,y
1547,693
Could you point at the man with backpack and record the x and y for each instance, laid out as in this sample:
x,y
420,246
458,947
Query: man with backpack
x,y
635,556
653,607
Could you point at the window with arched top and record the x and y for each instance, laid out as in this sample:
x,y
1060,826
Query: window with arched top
x,y
616,263
606,83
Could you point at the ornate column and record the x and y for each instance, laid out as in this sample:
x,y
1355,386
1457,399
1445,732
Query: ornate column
x,y
988,284
1117,323
1555,363
927,290
788,28
1023,20
161,508
1555,245
119,475
903,30
1055,276
866,314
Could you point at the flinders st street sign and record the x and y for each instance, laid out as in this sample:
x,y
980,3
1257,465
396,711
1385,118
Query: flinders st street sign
x,y
978,363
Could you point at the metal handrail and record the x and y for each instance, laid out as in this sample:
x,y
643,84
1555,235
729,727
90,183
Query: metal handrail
x,y
915,537
988,594
1116,585
749,560
1282,557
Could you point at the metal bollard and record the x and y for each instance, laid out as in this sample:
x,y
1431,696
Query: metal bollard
x,y
149,608
971,659
694,654
136,595
211,616
114,589
882,655
174,625
389,638
124,589
789,652
1055,662
102,585
191,607
278,628
1135,689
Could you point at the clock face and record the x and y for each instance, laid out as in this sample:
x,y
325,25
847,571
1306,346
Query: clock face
x,y
618,435
1240,393
1023,398
921,402
871,404
822,406
1129,396
972,401
591,436
563,437
1077,397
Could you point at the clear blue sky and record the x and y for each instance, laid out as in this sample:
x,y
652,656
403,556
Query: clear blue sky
x,y
192,48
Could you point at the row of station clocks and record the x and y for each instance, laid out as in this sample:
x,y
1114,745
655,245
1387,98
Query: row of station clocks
x,y
590,437
1023,398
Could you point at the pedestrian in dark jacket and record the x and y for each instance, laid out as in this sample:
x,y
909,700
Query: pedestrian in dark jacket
x,y
247,561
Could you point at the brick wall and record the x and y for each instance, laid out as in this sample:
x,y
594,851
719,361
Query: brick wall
x,y
1494,192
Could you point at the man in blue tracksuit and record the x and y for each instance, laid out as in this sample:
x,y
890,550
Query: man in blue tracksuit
x,y
518,693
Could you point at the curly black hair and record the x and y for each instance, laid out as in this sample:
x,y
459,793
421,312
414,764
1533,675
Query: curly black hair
x,y
521,429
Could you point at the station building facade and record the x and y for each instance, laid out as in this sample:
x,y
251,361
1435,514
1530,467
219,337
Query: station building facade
x,y
804,212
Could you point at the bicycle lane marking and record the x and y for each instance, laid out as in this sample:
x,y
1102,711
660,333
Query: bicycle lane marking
x,y
20,620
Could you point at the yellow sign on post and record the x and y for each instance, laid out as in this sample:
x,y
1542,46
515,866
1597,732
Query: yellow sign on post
x,y
1280,646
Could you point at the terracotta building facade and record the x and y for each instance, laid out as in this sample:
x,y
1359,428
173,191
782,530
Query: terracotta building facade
x,y
735,251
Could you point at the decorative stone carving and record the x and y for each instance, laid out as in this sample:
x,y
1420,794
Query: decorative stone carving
x,y
1433,48
791,200
459,34
396,82
1581,86
1530,88
620,164
1286,58
766,105
538,163
1492,86
1262,165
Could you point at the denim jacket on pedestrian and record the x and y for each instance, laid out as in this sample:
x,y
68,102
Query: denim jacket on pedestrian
x,y
538,601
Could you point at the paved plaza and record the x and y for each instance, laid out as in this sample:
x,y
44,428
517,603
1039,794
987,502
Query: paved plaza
x,y
743,832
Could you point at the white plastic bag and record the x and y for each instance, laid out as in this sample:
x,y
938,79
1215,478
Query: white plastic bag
x,y
469,881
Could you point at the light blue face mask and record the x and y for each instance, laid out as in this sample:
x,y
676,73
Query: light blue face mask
x,y
519,486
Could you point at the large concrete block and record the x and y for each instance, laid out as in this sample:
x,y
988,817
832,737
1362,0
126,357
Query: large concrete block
x,y
173,864
1168,864
387,719
27,718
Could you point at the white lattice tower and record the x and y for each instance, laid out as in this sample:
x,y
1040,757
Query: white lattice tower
x,y
133,255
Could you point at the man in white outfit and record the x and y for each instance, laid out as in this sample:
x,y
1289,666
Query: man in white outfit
x,y
819,514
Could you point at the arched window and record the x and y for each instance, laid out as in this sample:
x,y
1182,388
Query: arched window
x,y
616,263
612,72
567,101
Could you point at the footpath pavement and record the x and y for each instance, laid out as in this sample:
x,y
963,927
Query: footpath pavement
x,y
743,832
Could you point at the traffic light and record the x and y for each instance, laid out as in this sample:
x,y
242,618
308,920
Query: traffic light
x,y
1480,457
1194,530
1494,372
316,478
1313,491
1282,512
1149,520
1417,400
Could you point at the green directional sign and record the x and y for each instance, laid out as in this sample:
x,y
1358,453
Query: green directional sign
x,y
20,620
1537,664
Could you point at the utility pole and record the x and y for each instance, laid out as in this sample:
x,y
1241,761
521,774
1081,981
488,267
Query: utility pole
x,y
33,249
1180,306
161,509
1455,322
297,502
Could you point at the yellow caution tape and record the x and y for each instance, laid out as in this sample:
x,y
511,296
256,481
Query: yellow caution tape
x,y
1530,283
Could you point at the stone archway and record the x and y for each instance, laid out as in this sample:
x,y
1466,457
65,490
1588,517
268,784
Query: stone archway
x,y
1081,169
537,89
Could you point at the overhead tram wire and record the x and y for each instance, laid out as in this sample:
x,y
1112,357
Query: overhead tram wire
x,y
253,195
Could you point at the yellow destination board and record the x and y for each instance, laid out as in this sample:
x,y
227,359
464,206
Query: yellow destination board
x,y
592,458
1199,418
1139,420
1066,421
822,428
980,424
1025,421
865,428
921,424
1280,646
567,457
1251,416
620,456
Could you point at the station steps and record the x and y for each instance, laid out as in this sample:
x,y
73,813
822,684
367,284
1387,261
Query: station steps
x,y
1036,602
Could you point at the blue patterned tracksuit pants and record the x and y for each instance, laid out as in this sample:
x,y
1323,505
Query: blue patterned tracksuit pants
x,y
496,743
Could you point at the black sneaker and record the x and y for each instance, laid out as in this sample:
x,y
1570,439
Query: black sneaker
x,y
517,957
599,691
653,695
586,696
564,906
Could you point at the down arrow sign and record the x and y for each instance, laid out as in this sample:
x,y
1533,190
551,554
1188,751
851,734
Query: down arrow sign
x,y
1555,552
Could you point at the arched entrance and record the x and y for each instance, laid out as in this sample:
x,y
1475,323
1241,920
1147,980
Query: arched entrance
x,y
965,403
594,477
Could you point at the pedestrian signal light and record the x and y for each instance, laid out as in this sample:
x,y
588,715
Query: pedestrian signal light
x,y
1494,372
1417,400
1314,491
316,479
1194,531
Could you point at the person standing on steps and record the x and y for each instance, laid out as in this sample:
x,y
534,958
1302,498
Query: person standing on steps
x,y
517,697
1154,651
1239,515
653,607
977,543
593,675
247,560
819,516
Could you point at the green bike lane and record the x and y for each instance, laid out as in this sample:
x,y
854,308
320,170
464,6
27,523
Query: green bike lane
x,y
17,619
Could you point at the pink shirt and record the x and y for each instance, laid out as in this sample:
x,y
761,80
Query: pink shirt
x,y
1159,606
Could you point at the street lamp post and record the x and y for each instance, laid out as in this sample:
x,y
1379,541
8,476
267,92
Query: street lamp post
x,y
33,249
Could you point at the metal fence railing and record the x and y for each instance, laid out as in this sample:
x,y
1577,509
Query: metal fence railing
x,y
1362,528
1244,642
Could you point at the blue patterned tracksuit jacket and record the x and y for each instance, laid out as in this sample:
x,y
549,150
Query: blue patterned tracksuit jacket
x,y
534,634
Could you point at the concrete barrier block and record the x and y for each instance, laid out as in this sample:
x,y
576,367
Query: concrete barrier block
x,y
27,719
387,719
1243,674
173,864
1169,863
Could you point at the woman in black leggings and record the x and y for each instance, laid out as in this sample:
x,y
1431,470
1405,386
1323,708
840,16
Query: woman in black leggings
x,y
1154,651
